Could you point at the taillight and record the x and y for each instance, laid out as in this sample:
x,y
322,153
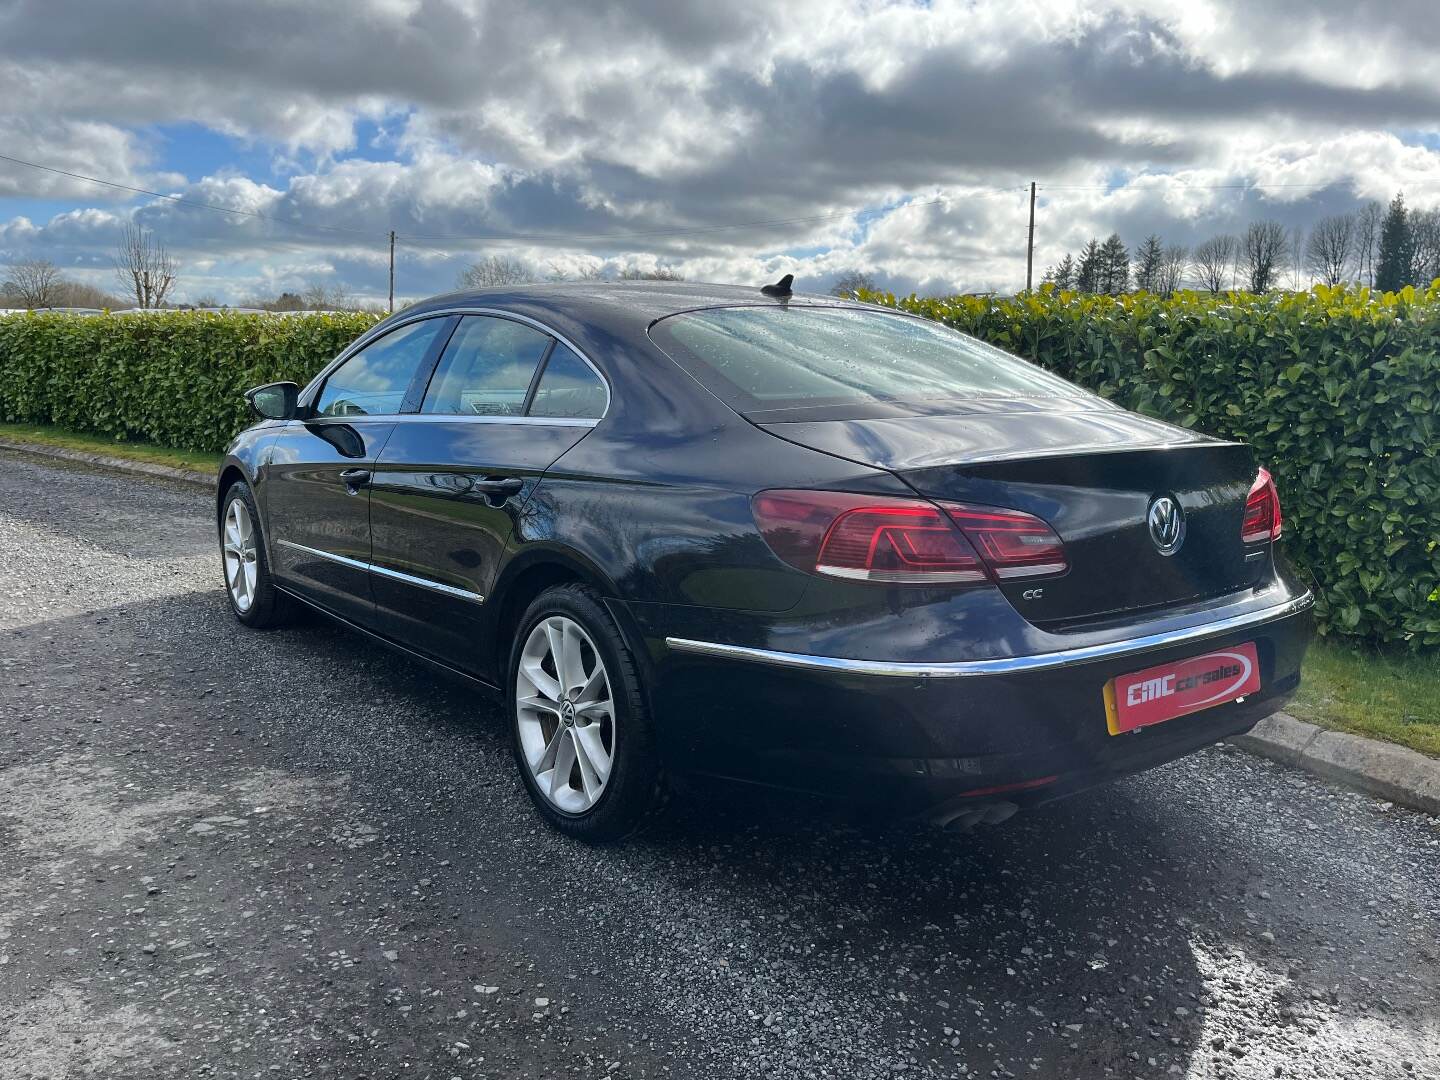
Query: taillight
x,y
1013,544
1262,511
878,538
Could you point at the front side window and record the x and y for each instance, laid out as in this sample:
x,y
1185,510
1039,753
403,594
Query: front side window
x,y
569,389
486,369
763,359
373,381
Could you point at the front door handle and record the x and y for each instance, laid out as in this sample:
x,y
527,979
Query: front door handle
x,y
497,491
355,479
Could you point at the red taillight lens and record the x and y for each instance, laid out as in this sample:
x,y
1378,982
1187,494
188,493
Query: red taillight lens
x,y
877,538
1013,544
1262,511
866,537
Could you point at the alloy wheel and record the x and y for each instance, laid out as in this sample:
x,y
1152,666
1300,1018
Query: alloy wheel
x,y
240,552
565,714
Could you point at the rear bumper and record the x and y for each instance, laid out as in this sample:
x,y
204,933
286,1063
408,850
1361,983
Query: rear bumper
x,y
937,739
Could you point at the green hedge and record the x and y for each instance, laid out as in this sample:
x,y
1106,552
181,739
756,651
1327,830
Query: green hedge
x,y
172,378
1338,391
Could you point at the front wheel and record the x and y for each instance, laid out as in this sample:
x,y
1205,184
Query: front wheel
x,y
253,596
583,738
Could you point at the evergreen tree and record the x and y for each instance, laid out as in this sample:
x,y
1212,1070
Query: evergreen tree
x,y
1087,275
1063,275
1394,267
1114,272
1149,265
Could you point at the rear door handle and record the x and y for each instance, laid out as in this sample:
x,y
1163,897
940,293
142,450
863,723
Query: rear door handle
x,y
497,491
354,479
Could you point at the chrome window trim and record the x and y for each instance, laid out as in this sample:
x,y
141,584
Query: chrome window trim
x,y
1009,665
445,418
385,571
365,339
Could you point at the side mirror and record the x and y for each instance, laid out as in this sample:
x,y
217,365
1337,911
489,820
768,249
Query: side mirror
x,y
274,401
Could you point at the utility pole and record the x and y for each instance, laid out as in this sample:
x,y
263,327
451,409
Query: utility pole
x,y
1029,244
392,249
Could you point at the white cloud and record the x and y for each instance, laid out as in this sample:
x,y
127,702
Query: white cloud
x,y
563,120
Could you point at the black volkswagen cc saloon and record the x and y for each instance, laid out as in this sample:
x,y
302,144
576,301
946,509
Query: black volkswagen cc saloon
x,y
779,539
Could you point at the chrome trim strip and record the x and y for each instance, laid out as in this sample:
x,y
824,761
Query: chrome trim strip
x,y
343,560
440,418
1009,665
385,571
426,583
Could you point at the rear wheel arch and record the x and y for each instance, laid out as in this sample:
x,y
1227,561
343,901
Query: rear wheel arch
x,y
527,577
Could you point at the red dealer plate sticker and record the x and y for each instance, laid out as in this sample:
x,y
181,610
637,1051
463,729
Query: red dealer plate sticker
x,y
1162,693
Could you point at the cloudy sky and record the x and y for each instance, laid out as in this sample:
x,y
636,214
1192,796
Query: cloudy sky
x,y
897,138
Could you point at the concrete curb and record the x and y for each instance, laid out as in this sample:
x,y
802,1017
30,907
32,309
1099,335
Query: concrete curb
x,y
1403,776
186,476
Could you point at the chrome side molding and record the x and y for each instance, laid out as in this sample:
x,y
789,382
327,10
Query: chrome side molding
x,y
385,571
1009,665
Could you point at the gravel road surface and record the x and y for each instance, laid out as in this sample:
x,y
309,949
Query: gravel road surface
x,y
235,854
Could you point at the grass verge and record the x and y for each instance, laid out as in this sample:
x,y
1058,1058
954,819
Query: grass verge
x,y
1384,694
100,444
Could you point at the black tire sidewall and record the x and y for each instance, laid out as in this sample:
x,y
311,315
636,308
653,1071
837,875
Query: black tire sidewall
x,y
269,607
632,789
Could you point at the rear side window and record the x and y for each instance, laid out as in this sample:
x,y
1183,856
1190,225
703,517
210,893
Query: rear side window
x,y
569,389
486,369
761,359
373,381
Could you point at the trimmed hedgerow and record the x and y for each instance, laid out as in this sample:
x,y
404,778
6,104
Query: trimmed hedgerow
x,y
172,378
1338,391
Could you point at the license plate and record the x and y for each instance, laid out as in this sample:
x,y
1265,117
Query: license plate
x,y
1169,690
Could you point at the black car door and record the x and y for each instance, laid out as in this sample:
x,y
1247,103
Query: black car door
x,y
317,501
505,401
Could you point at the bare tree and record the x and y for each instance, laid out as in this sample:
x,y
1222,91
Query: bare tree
x,y
1425,231
79,294
1260,253
144,267
660,273
1172,269
1213,261
1331,248
1367,237
496,270
1296,251
320,296
850,282
34,282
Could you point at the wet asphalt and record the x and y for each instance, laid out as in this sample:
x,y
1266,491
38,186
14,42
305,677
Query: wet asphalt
x,y
291,854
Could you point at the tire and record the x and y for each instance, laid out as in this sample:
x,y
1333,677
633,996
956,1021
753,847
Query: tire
x,y
255,601
589,726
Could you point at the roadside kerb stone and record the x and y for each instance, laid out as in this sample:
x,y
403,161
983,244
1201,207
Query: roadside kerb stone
x,y
109,461
1403,776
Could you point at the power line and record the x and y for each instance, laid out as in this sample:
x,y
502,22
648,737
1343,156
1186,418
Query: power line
x,y
701,229
1210,187
181,201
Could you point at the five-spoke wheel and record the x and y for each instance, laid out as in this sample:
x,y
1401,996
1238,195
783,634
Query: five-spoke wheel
x,y
238,544
564,714
583,738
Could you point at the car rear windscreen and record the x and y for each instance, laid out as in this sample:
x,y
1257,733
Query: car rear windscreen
x,y
781,358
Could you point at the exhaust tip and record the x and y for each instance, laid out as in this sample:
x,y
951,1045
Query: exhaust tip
x,y
968,818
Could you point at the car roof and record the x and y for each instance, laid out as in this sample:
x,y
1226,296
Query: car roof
x,y
617,303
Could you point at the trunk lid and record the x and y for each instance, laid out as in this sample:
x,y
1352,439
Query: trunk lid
x,y
1090,470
